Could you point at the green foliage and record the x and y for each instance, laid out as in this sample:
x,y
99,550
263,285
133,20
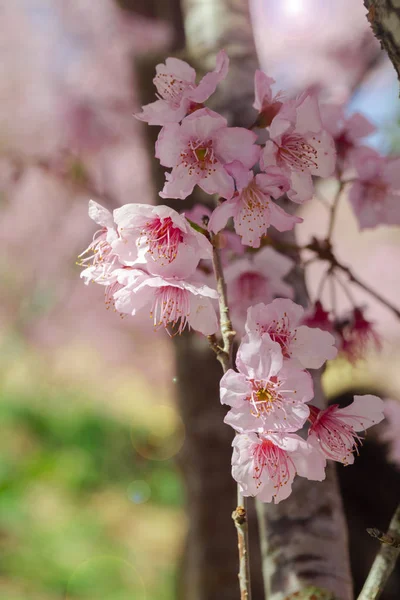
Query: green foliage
x,y
73,494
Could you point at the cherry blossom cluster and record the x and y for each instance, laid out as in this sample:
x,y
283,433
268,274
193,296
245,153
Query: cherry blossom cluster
x,y
146,258
153,259
269,396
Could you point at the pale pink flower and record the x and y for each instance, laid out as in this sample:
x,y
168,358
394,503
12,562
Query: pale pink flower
x,y
265,394
99,259
171,303
347,132
159,238
303,346
265,102
177,90
251,207
335,430
300,146
197,151
266,465
256,278
375,195
391,432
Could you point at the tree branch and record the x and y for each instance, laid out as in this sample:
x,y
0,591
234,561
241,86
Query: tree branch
x,y
385,561
384,17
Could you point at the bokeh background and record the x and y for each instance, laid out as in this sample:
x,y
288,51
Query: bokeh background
x,y
91,501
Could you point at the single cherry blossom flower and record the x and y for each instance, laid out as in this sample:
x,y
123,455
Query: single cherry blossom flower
x,y
172,303
375,195
347,132
391,432
251,207
303,346
300,146
265,102
197,151
99,259
357,336
317,316
177,90
266,465
335,430
265,394
159,238
256,278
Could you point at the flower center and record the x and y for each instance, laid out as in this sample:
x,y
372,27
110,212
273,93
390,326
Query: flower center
x,y
264,398
163,239
279,331
338,439
199,157
275,460
296,153
170,88
170,306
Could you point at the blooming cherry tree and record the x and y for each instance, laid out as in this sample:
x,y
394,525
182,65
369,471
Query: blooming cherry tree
x,y
192,270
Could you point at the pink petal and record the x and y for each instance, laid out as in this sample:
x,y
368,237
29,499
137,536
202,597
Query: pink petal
x,y
179,183
237,143
202,316
169,145
312,347
302,188
364,412
221,215
241,175
326,154
218,182
262,88
268,155
281,220
100,215
162,113
259,357
208,84
178,67
203,124
307,116
234,388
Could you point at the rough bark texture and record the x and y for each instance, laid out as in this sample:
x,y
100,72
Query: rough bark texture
x,y
384,16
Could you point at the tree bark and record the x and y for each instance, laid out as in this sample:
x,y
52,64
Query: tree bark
x,y
384,17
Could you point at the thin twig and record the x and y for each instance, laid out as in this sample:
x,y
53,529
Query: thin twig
x,y
334,210
224,355
385,560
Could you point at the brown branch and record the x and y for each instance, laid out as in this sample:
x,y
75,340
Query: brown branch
x,y
384,17
224,355
385,560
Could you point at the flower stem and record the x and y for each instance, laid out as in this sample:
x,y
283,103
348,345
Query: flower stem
x,y
224,355
385,560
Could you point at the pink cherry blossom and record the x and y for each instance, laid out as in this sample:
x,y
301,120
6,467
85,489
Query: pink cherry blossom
x,y
177,90
357,336
264,395
266,465
174,303
256,278
159,238
197,151
265,102
346,131
391,432
335,430
251,206
375,195
99,259
300,146
303,346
